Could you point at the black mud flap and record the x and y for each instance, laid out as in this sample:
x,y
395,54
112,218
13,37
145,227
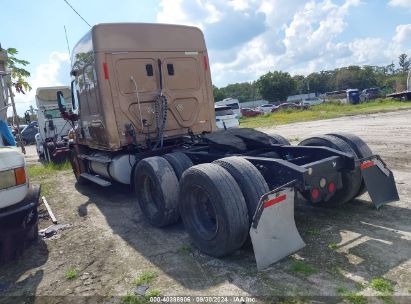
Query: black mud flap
x,y
379,181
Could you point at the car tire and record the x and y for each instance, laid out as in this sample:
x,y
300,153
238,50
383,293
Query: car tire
x,y
351,180
213,209
251,182
156,188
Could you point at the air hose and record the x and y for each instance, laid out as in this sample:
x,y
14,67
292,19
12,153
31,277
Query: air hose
x,y
160,109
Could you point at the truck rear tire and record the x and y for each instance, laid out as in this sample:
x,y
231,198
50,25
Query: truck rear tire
x,y
156,187
351,180
280,139
179,161
213,209
360,148
250,180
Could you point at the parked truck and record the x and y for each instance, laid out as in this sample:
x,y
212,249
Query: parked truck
x,y
52,141
142,100
18,199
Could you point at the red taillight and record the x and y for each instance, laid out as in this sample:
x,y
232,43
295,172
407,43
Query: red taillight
x,y
105,70
367,164
205,63
315,194
331,187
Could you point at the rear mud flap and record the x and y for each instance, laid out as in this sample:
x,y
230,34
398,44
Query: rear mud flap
x,y
273,231
379,181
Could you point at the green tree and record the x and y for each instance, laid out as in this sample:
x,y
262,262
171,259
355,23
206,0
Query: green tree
x,y
404,63
218,94
275,86
19,74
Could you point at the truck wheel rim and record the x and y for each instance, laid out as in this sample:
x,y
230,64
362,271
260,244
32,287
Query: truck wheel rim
x,y
204,213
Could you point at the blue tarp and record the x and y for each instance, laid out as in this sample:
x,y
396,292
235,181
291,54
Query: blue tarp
x,y
6,134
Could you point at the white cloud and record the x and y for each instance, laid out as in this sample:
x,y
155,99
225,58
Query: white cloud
x,y
46,74
402,34
400,3
247,38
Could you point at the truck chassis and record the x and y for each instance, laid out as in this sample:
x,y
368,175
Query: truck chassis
x,y
230,184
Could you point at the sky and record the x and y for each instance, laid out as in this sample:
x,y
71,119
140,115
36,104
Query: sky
x,y
245,38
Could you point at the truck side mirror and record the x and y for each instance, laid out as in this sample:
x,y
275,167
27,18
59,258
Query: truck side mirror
x,y
61,102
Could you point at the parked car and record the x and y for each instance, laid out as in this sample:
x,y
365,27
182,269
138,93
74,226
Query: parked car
x,y
290,105
248,112
266,108
29,132
225,117
312,101
369,94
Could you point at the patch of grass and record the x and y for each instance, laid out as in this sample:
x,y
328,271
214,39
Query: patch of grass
x,y
131,298
185,249
145,278
382,285
322,111
303,268
47,169
352,297
333,246
360,286
314,231
152,293
71,274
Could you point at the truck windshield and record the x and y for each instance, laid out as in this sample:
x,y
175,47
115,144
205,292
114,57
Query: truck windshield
x,y
50,114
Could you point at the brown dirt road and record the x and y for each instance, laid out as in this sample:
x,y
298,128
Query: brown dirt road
x,y
110,244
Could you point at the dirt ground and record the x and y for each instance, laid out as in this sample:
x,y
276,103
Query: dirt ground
x,y
109,244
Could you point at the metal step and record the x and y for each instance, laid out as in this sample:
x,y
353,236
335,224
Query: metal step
x,y
100,159
96,179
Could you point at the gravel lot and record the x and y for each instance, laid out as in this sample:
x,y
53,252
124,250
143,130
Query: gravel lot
x,y
109,244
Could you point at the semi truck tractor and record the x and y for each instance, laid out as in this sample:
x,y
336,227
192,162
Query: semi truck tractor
x,y
52,141
18,199
144,112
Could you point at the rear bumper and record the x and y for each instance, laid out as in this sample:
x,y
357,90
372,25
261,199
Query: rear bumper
x,y
19,225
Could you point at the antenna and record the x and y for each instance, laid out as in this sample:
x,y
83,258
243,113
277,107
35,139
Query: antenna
x,y
68,46
77,12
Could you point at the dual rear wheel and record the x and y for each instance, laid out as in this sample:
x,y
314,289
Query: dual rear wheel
x,y
216,201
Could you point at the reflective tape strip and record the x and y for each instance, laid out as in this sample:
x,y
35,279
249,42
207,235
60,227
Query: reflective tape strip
x,y
275,201
367,165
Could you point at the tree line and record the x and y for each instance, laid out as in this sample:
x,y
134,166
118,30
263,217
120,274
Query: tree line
x,y
277,86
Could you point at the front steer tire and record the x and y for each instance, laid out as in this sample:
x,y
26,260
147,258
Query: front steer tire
x,y
156,187
213,209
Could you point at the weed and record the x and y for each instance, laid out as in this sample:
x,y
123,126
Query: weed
x,y
333,246
71,274
303,268
382,285
145,278
131,298
152,293
47,170
352,297
185,249
313,231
